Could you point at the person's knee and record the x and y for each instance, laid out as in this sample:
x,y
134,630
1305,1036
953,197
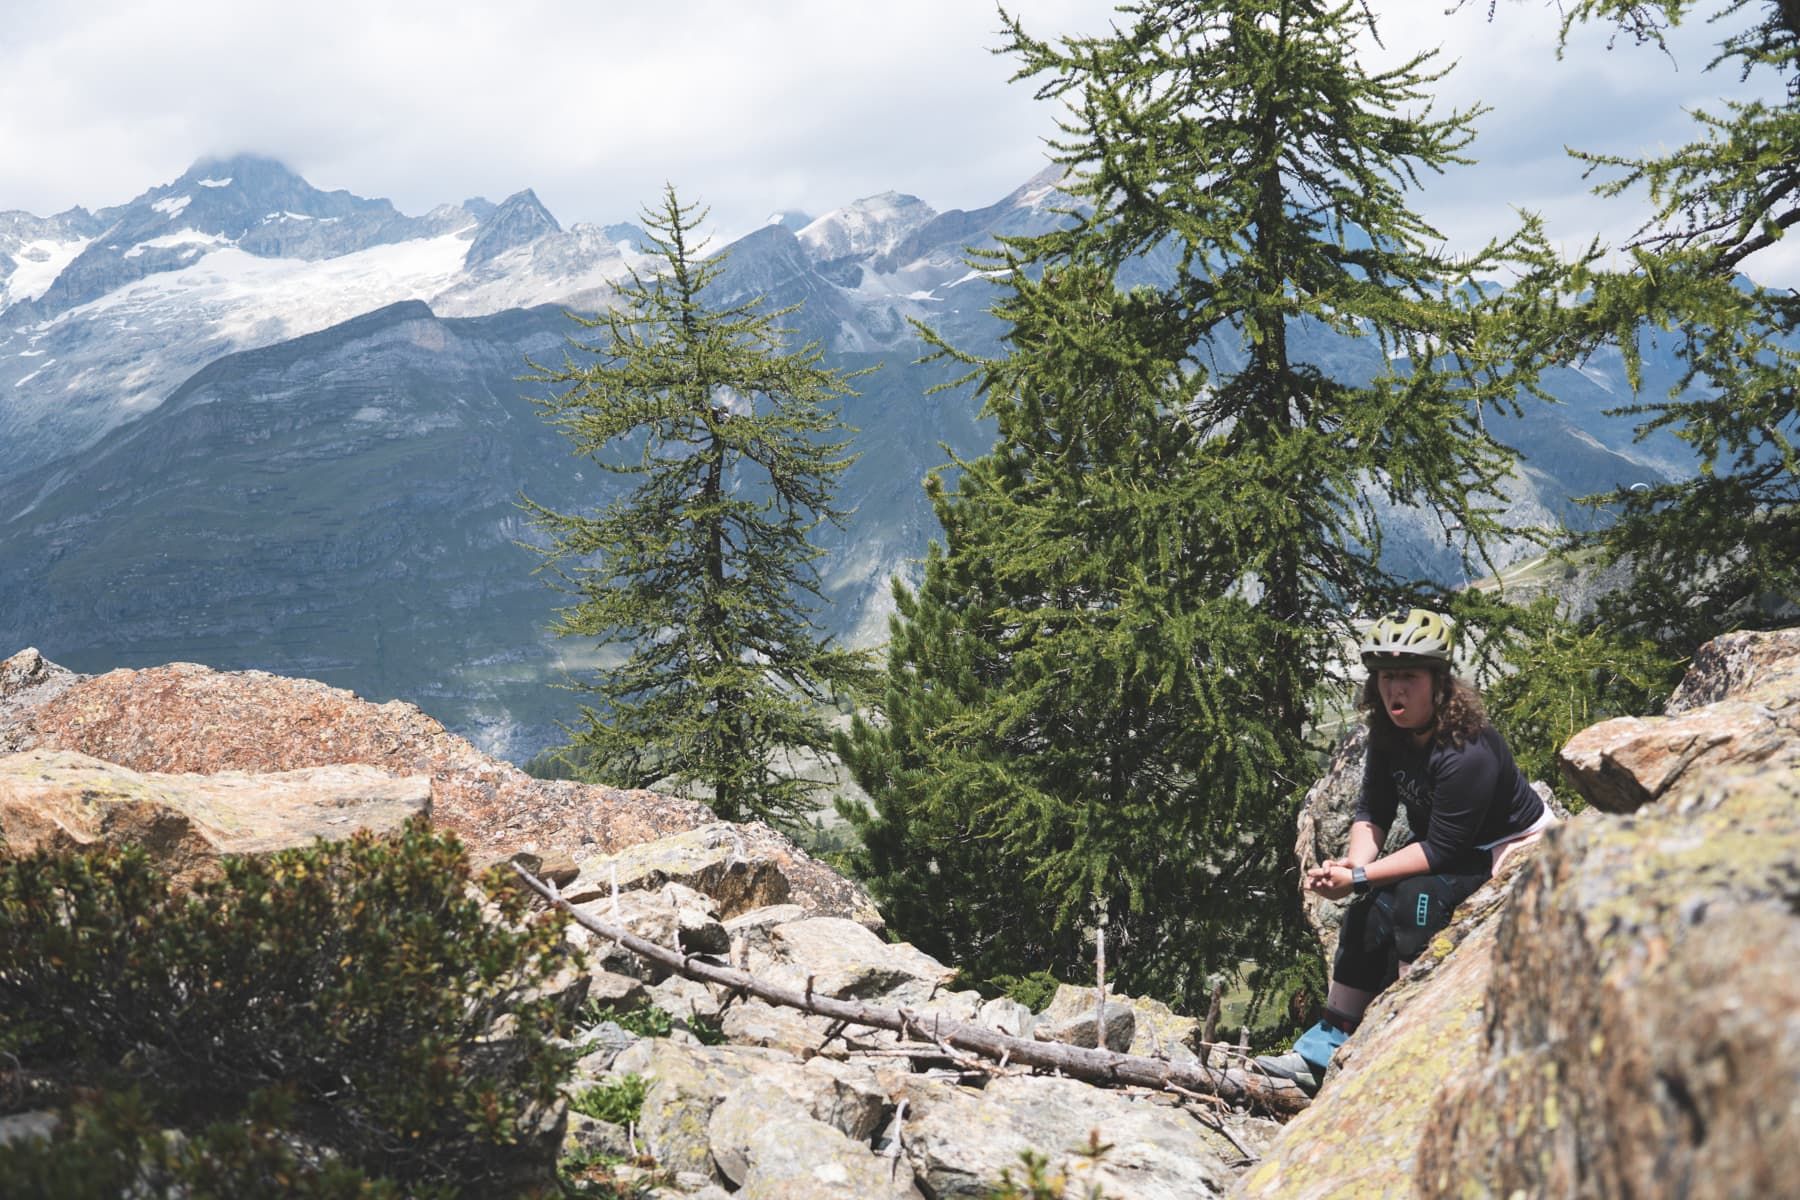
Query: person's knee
x,y
1422,908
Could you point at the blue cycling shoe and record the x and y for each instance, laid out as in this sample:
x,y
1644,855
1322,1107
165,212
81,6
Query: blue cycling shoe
x,y
1305,1064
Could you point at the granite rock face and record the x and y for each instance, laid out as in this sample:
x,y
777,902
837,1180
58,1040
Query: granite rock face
x,y
1644,1036
1738,704
59,800
184,718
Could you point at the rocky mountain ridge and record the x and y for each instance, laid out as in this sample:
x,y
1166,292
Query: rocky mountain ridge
x,y
292,434
1614,1015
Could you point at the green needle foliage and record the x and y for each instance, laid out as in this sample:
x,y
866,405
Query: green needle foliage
x,y
1716,551
1099,700
702,574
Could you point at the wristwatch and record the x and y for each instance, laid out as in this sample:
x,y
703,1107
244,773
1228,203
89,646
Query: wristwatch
x,y
1359,881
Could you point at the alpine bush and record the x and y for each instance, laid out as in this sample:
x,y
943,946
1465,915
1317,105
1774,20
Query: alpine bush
x,y
359,998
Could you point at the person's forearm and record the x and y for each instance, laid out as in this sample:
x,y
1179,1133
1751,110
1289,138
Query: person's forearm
x,y
1365,843
1403,863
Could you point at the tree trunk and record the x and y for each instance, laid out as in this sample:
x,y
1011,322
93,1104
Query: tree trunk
x,y
1236,1086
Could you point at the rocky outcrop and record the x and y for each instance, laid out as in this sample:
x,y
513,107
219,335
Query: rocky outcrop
x,y
832,1112
1739,703
1618,1014
59,800
1360,1137
188,719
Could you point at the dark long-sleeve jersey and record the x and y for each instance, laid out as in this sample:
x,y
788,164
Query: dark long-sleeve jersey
x,y
1458,798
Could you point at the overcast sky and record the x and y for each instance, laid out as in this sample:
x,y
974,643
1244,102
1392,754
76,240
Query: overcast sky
x,y
751,105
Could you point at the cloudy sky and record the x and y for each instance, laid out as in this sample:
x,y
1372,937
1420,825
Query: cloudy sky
x,y
751,105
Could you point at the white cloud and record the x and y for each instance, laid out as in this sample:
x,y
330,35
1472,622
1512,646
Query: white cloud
x,y
751,107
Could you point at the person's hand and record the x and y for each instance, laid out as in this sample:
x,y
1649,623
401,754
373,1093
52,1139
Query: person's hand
x,y
1321,874
1330,879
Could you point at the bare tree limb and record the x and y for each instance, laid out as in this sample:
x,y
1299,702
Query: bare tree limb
x,y
1244,1088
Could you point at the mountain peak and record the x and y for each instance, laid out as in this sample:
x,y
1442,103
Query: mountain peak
x,y
872,225
519,220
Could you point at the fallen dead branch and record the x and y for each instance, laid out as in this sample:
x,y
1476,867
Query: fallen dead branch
x,y
1239,1087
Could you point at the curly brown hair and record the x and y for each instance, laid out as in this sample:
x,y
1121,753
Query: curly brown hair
x,y
1459,712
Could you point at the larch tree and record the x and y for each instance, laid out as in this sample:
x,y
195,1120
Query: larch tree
x,y
1719,549
1102,701
701,578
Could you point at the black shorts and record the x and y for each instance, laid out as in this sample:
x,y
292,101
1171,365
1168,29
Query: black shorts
x,y
1394,924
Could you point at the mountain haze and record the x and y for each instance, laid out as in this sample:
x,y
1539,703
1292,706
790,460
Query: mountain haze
x,y
253,424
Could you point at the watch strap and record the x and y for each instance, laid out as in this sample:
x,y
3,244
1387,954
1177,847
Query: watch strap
x,y
1359,880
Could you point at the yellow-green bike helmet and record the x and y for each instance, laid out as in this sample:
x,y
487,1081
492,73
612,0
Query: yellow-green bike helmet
x,y
1417,638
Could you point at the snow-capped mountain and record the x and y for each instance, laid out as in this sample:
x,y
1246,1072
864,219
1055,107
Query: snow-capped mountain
x,y
250,423
872,225
103,315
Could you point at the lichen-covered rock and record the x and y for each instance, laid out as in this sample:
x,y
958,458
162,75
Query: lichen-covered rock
x,y
1735,663
1644,1037
57,800
844,960
686,1084
1154,1029
186,718
753,1023
960,1140
1738,704
690,1082
791,1157
1360,1137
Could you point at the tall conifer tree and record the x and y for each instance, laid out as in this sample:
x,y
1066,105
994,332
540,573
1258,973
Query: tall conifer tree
x,y
1717,550
702,574
1101,700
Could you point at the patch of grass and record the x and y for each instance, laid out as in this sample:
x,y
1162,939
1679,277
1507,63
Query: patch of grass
x,y
621,1101
646,1020
1034,991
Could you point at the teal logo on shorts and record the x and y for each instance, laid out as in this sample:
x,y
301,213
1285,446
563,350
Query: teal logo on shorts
x,y
1424,911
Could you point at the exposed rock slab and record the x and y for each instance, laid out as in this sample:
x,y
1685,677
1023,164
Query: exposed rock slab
x,y
57,800
960,1140
1738,704
844,960
1645,1034
186,718
1360,1137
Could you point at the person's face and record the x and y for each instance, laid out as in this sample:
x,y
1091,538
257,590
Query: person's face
x,y
1406,695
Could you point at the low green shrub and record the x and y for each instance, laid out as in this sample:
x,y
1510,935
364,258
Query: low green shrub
x,y
346,995
621,1101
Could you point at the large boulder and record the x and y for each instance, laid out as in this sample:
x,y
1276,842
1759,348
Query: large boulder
x,y
1643,1037
59,800
1617,1014
1738,704
185,718
1360,1137
961,1140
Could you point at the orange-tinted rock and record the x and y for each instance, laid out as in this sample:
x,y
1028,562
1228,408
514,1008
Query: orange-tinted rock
x,y
188,718
1739,704
59,800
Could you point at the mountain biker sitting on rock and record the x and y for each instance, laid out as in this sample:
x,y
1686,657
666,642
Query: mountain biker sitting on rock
x,y
1432,749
